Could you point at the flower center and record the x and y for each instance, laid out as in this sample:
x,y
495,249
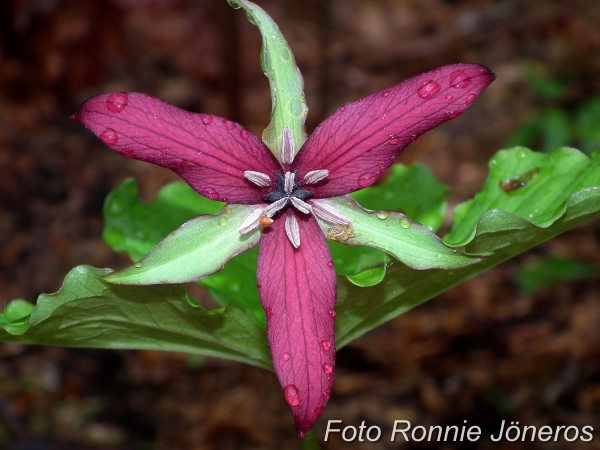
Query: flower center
x,y
289,190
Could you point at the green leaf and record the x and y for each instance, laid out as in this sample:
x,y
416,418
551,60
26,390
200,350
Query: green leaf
x,y
15,318
413,190
551,271
195,250
137,228
413,244
287,86
369,277
541,201
362,309
91,313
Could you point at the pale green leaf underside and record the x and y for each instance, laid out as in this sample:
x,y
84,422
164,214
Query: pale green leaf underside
x,y
89,312
193,251
287,86
393,232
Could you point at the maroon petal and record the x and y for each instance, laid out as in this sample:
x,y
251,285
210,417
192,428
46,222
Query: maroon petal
x,y
208,152
297,288
362,139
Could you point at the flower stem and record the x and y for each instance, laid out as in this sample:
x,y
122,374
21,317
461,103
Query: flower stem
x,y
310,441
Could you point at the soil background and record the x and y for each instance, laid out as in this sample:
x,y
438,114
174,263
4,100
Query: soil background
x,y
482,353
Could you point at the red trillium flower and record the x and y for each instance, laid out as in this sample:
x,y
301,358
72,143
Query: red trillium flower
x,y
288,198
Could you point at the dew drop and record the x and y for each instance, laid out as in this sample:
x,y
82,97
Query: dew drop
x,y
286,55
228,210
228,124
127,152
206,120
327,395
521,154
327,368
405,223
330,378
109,136
319,410
393,140
438,256
222,221
244,133
330,264
366,179
286,356
117,102
325,345
268,313
383,214
414,138
139,264
331,313
254,150
452,114
385,94
292,396
493,162
428,89
459,79
210,193
469,99
259,286
449,97
343,108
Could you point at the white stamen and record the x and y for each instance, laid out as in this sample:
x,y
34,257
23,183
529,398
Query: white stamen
x,y
292,230
258,178
270,210
314,176
287,149
251,221
289,182
324,210
301,205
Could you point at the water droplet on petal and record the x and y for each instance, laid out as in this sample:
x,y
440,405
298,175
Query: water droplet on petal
x,y
325,345
244,133
127,152
452,114
117,102
383,214
521,154
286,356
210,193
327,368
259,286
414,138
222,221
385,94
366,179
206,120
428,89
330,378
268,313
139,264
405,223
228,124
109,136
469,99
459,79
292,396
393,140
319,410
449,97
327,395
331,313
304,428
254,150
330,264
343,108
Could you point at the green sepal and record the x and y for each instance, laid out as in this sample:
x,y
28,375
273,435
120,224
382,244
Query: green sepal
x,y
287,86
193,251
393,232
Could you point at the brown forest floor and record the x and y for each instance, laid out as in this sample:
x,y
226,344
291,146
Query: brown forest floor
x,y
482,352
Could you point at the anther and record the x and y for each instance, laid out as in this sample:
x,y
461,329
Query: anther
x,y
324,210
314,176
258,178
292,230
287,149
